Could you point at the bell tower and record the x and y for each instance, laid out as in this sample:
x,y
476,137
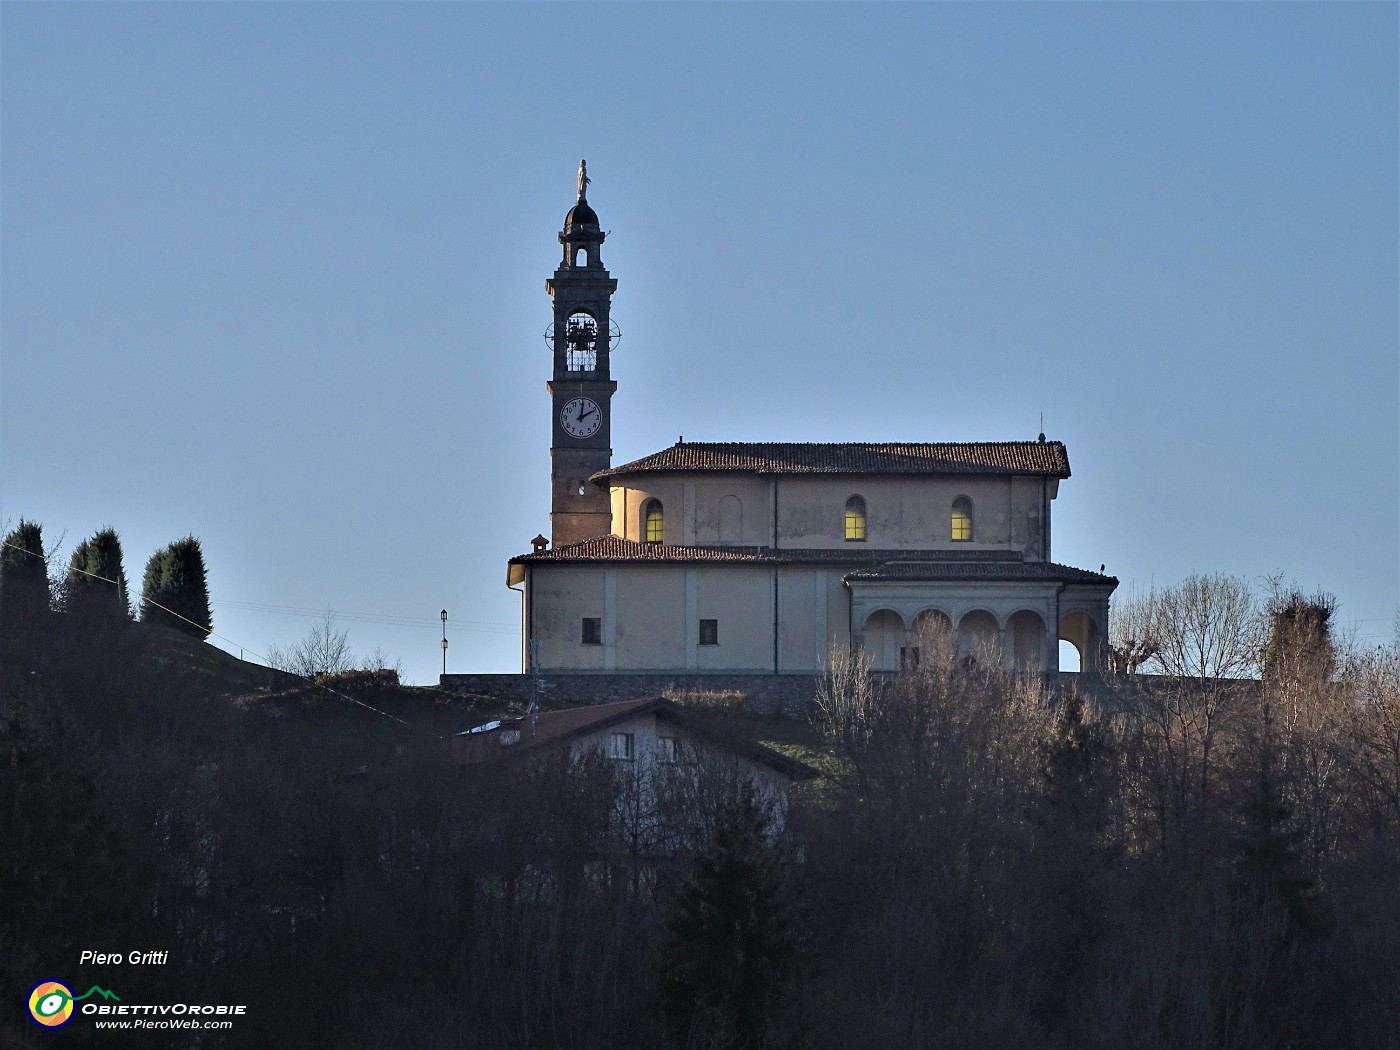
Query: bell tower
x,y
581,387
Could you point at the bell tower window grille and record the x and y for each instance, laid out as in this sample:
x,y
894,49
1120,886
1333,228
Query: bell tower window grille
x,y
581,343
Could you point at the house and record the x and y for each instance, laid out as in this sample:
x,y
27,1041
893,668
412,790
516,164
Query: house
x,y
668,761
728,558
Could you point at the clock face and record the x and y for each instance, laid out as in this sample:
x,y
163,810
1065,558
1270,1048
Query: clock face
x,y
581,417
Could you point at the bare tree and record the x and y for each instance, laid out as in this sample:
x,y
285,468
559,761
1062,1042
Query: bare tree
x,y
1133,631
1207,627
325,650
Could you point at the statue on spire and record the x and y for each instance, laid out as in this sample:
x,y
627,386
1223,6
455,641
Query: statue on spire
x,y
583,179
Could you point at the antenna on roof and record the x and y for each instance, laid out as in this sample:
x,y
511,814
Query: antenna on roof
x,y
1041,438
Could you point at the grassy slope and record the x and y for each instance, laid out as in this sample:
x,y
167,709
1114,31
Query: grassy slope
x,y
224,675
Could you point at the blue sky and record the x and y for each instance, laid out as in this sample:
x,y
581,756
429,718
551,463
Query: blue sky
x,y
273,275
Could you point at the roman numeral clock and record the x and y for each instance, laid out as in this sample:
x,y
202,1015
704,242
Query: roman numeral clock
x,y
581,339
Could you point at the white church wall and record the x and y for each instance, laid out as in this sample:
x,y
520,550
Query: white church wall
x,y
910,513
740,601
901,513
650,617
559,600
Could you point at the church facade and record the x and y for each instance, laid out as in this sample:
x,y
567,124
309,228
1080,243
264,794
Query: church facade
x,y
759,558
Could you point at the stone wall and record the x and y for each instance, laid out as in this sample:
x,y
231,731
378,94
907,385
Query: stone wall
x,y
786,695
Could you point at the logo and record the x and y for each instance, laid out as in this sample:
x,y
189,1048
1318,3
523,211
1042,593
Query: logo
x,y
51,1003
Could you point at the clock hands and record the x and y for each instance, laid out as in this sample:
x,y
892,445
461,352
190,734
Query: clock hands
x,y
577,414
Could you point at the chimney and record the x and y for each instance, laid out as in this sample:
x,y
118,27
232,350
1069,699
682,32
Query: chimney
x,y
539,543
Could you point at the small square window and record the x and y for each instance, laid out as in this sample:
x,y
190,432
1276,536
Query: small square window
x,y
668,749
592,630
709,632
620,746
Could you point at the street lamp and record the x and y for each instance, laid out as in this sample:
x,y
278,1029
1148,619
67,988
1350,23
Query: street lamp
x,y
444,641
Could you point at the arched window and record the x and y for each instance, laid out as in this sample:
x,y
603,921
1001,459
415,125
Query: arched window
x,y
855,518
655,520
731,520
962,518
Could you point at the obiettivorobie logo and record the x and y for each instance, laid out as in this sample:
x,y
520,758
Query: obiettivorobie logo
x,y
51,1003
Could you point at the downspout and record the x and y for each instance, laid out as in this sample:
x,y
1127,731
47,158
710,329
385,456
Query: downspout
x,y
775,577
1044,522
775,618
1059,591
850,615
529,619
523,628
774,497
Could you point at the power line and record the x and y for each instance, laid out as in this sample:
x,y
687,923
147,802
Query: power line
x,y
394,619
208,629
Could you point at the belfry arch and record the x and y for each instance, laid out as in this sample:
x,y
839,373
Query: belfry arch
x,y
883,639
1082,631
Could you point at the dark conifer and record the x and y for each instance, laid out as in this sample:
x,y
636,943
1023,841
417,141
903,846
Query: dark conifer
x,y
175,590
24,579
730,937
96,579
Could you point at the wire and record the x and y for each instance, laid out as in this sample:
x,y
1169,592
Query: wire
x,y
364,617
208,629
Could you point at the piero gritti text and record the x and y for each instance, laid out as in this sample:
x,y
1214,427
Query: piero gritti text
x,y
134,958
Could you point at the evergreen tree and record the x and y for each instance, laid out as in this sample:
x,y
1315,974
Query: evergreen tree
x,y
24,578
96,578
175,590
1070,762
730,938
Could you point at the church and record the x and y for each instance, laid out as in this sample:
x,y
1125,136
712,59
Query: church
x,y
757,558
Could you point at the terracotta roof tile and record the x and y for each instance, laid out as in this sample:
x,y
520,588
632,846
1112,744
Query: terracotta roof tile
x,y
928,458
972,570
865,563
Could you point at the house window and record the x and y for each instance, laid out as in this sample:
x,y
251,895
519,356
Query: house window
x,y
962,518
620,746
668,749
655,521
592,630
855,518
709,632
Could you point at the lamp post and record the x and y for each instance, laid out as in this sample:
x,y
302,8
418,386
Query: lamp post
x,y
444,641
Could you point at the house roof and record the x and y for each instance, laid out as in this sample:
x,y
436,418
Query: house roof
x,y
556,727
1047,458
865,563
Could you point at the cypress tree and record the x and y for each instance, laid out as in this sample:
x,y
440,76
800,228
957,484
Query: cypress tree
x,y
24,574
96,578
730,938
175,590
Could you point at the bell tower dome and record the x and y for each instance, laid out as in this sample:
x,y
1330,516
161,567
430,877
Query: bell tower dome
x,y
581,385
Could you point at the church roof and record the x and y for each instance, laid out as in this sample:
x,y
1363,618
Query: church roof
x,y
866,564
1047,458
905,568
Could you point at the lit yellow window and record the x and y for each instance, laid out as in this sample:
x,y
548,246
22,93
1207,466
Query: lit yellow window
x,y
855,518
656,522
962,518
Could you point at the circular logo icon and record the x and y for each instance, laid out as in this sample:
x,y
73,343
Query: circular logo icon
x,y
50,1004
